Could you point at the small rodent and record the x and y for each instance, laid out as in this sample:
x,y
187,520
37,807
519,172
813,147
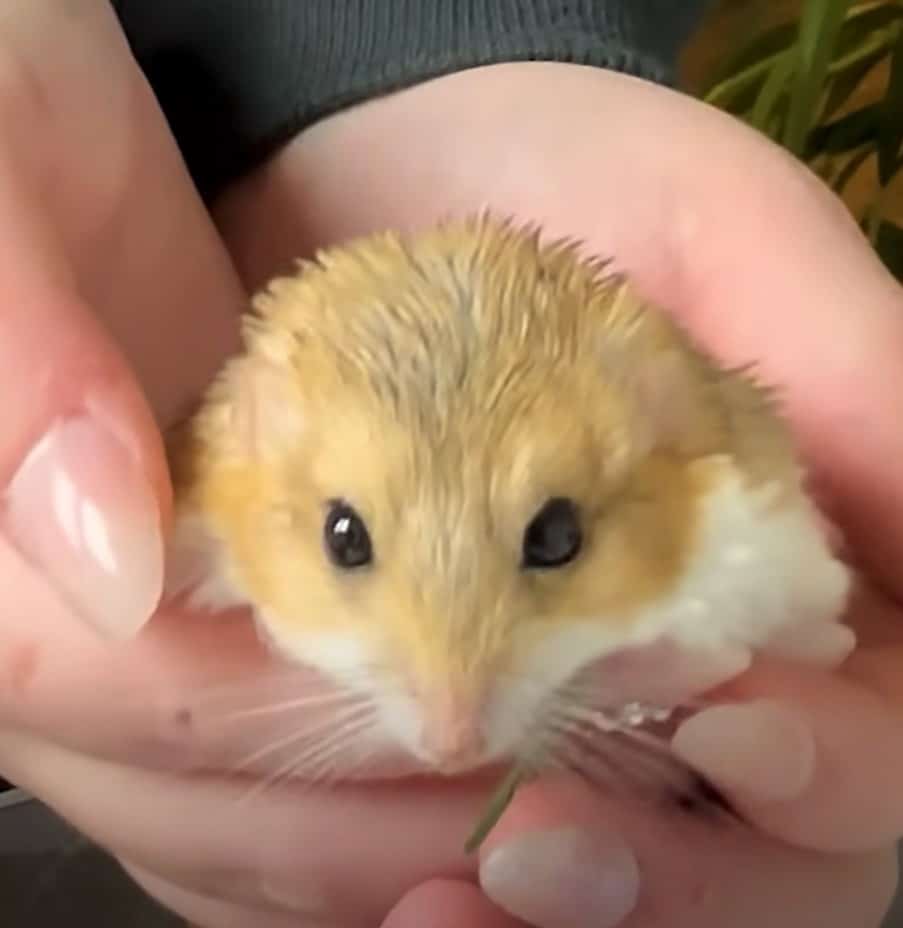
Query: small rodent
x,y
452,469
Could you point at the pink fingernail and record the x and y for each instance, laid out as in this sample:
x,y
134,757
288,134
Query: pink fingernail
x,y
563,879
761,750
80,511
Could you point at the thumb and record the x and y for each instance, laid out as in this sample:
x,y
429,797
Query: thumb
x,y
565,855
445,903
84,492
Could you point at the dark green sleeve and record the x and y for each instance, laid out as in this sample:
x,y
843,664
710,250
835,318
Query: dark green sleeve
x,y
237,78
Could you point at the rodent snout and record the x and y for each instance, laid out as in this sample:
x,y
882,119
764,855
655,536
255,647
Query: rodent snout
x,y
452,735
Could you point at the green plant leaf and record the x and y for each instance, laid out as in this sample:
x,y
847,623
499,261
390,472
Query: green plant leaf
x,y
890,130
864,19
738,92
500,801
860,127
763,46
820,24
763,112
849,73
752,63
889,246
861,19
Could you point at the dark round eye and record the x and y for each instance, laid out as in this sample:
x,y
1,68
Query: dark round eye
x,y
553,537
346,536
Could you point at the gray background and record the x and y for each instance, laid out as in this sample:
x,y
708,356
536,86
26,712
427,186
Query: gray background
x,y
50,877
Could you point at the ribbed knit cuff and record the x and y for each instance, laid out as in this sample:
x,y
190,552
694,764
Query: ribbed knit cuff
x,y
237,78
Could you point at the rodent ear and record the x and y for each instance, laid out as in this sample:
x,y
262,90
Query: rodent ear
x,y
265,407
652,361
665,392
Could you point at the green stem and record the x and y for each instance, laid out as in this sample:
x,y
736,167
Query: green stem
x,y
880,40
770,93
730,87
819,25
497,805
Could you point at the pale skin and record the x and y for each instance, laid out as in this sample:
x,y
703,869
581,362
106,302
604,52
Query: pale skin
x,y
713,222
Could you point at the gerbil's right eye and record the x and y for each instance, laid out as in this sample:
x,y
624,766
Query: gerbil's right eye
x,y
347,539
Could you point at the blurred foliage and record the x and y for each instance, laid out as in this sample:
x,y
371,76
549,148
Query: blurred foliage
x,y
801,81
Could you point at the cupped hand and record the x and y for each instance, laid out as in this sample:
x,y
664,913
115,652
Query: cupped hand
x,y
120,738
763,264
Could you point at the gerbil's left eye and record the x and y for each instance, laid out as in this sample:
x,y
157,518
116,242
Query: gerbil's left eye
x,y
346,536
553,537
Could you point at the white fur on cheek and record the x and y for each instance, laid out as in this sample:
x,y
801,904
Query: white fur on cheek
x,y
199,567
349,660
762,578
761,568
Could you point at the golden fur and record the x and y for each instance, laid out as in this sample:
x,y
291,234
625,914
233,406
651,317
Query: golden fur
x,y
446,385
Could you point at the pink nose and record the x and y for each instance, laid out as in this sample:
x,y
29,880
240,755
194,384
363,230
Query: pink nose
x,y
452,736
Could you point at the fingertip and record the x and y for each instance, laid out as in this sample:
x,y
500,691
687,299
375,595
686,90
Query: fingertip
x,y
547,864
120,405
761,751
448,904
87,499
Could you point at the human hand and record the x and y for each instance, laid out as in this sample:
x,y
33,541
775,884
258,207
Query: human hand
x,y
109,756
100,231
91,190
762,263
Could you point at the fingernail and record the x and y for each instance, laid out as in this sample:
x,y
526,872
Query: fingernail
x,y
563,879
760,750
825,644
80,511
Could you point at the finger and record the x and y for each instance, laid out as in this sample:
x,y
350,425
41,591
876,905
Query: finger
x,y
86,491
448,904
202,911
188,693
813,758
549,862
830,342
303,850
293,846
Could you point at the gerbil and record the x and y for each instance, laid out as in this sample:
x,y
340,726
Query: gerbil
x,y
454,469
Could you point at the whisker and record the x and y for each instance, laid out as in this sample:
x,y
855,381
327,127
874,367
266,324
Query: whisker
x,y
306,702
324,764
594,742
315,755
620,756
291,682
624,747
301,734
634,761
